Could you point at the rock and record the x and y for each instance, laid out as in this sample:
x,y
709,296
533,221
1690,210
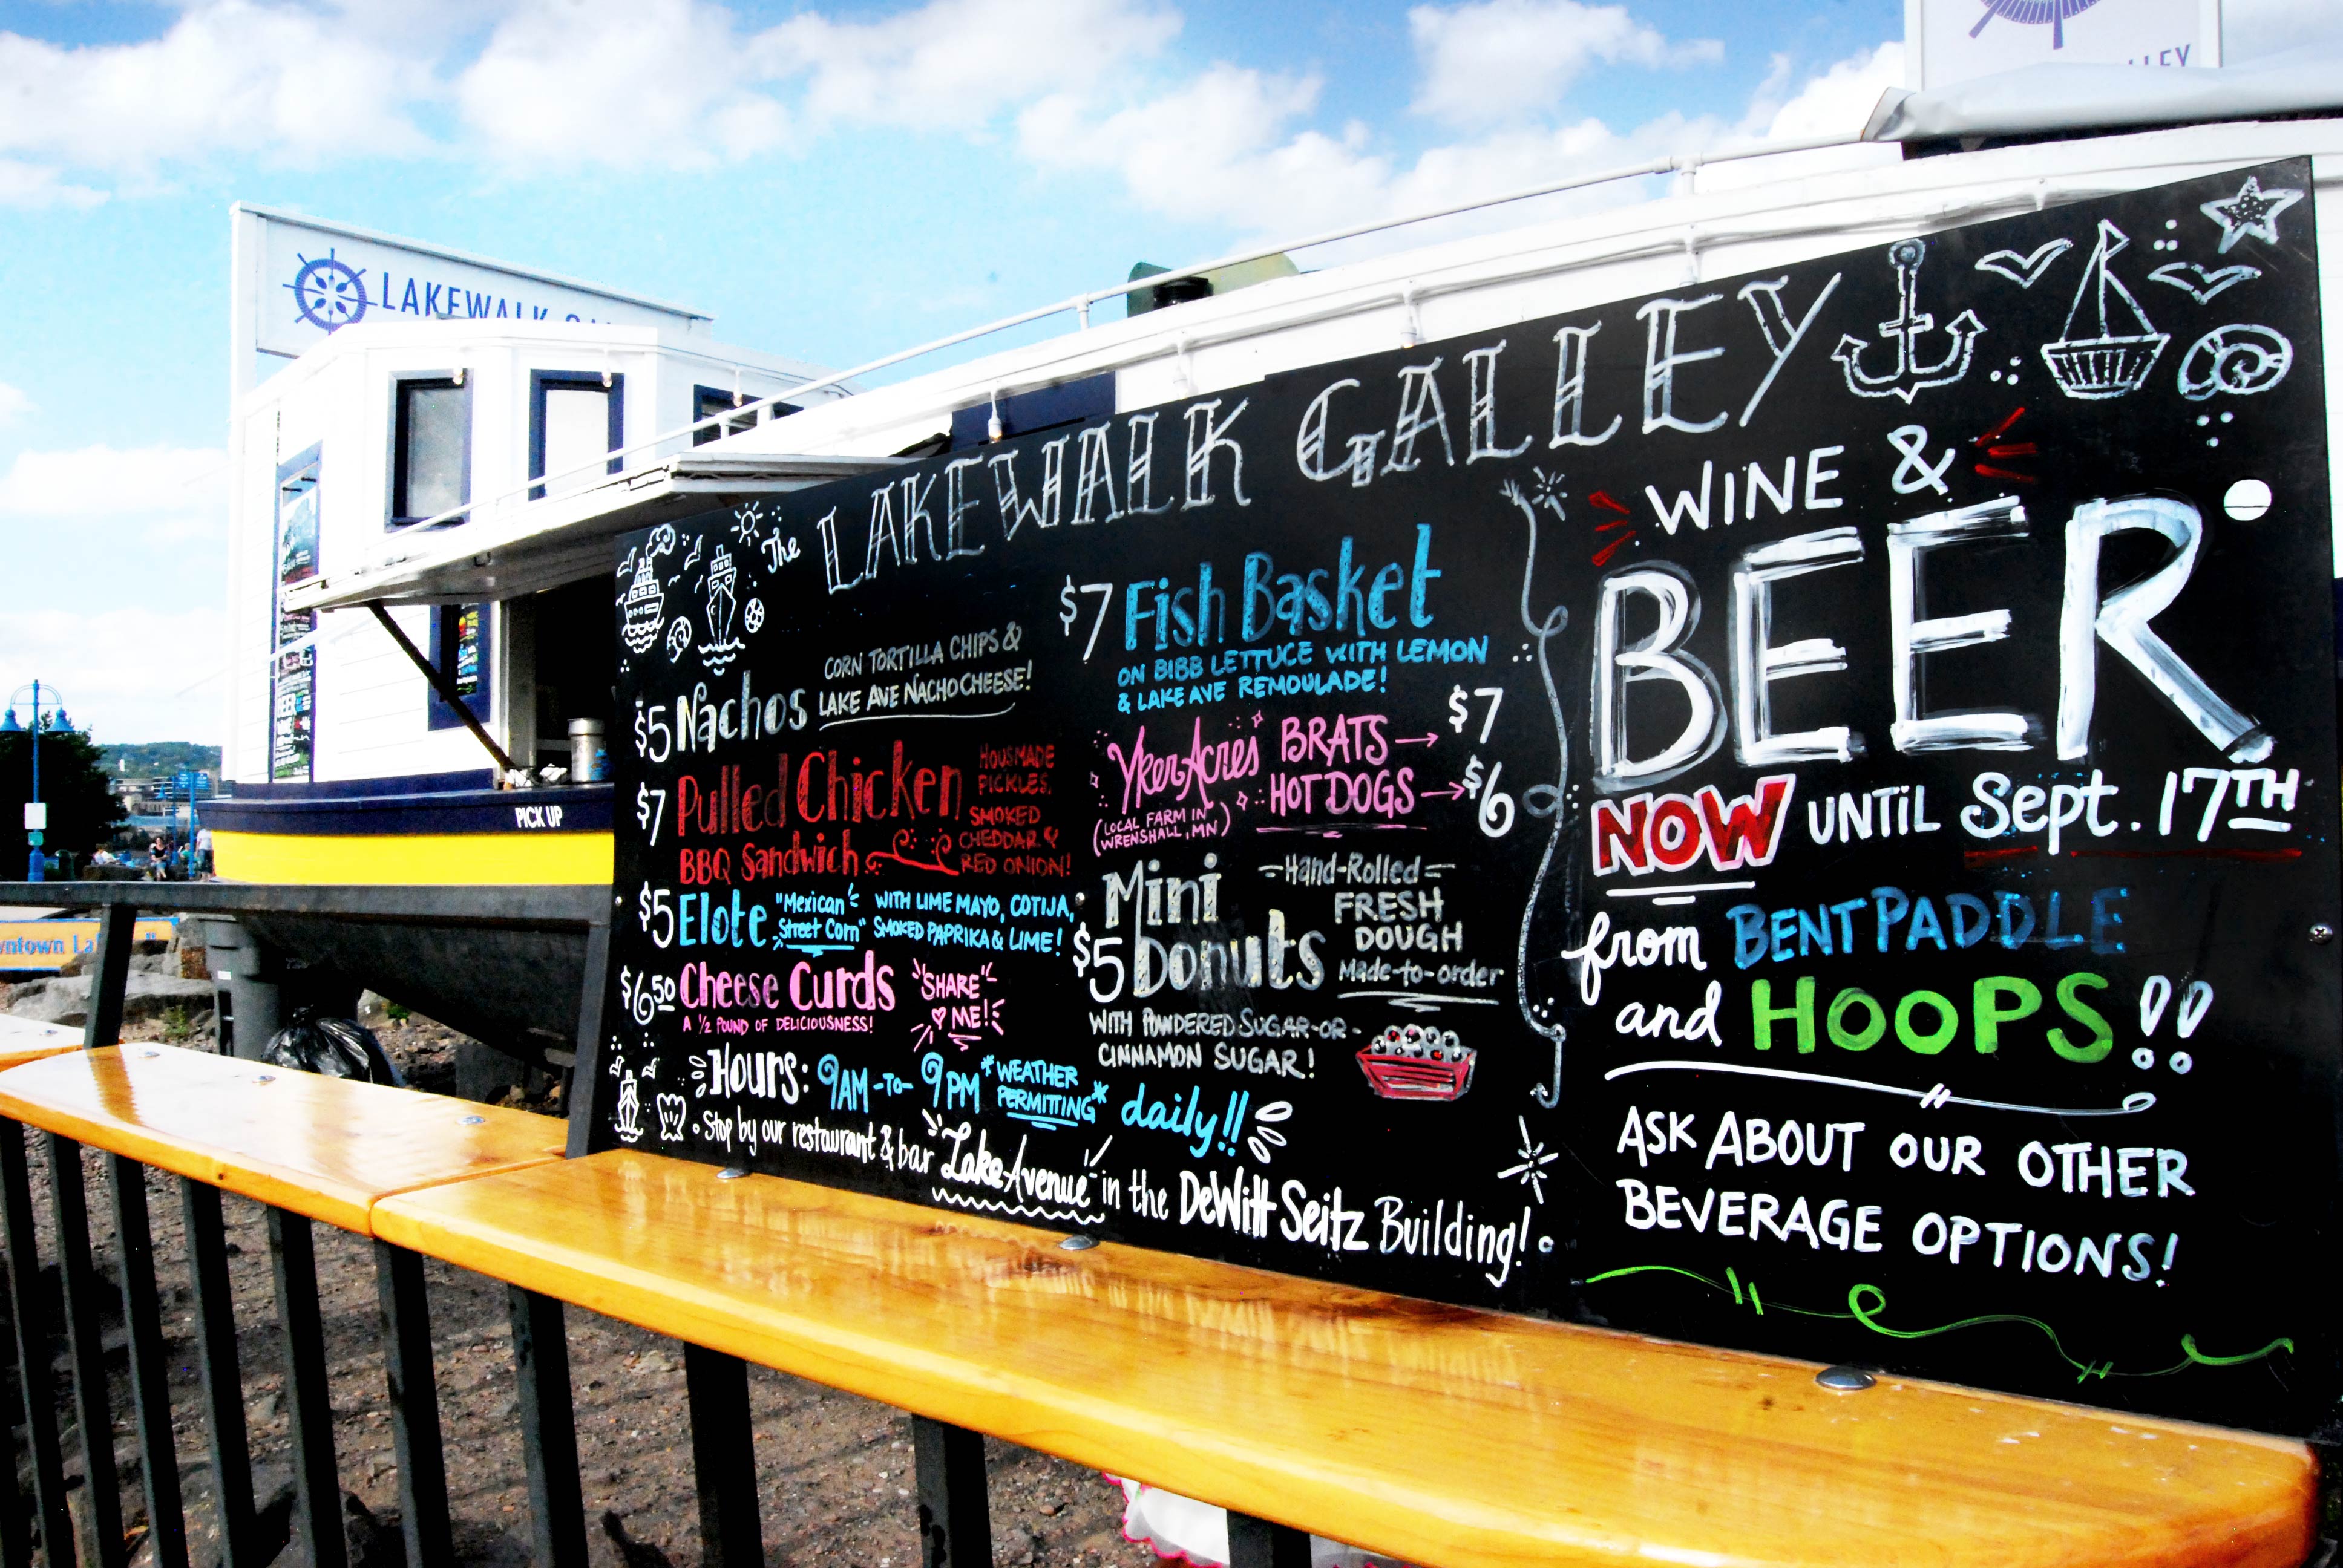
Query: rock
x,y
65,1000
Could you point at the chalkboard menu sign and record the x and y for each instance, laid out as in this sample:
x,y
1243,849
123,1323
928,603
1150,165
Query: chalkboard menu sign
x,y
1796,812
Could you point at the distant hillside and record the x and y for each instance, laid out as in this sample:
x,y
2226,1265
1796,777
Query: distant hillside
x,y
158,756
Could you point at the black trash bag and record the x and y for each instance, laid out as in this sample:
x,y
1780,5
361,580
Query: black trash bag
x,y
333,1047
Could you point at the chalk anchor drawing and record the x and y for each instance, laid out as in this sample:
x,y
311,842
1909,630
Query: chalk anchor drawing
x,y
1912,374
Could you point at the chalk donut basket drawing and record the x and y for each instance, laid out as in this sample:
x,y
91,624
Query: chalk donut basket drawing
x,y
1412,1061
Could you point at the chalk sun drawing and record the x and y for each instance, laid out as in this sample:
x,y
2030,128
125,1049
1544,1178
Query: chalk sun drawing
x,y
1913,373
2026,271
2105,363
1529,1169
2251,214
2201,284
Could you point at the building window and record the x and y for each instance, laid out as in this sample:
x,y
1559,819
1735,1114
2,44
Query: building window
x,y
459,648
431,448
574,418
708,402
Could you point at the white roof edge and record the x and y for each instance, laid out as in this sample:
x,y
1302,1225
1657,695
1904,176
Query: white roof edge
x,y
2036,99
377,237
495,549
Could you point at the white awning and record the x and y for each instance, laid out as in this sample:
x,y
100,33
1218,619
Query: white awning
x,y
2036,99
564,538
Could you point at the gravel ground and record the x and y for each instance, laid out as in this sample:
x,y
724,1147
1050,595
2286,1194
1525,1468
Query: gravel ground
x,y
834,1470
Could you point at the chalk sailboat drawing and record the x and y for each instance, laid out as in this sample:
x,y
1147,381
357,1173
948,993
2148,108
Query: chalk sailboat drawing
x,y
2108,362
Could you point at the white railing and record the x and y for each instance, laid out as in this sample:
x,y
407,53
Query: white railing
x,y
550,487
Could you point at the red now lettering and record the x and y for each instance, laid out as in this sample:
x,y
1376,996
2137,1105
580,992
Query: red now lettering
x,y
1673,831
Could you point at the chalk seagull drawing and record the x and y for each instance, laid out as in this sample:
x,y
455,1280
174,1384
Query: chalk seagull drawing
x,y
2251,214
2026,271
1911,323
2201,284
2107,363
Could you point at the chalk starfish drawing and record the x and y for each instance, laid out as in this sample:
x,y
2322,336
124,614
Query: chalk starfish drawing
x,y
2026,271
2201,284
1912,372
2251,214
2105,363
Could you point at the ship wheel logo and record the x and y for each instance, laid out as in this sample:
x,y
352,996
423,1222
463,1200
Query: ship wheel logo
x,y
328,292
2034,14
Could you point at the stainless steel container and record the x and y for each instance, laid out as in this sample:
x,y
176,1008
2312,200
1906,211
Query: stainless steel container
x,y
589,760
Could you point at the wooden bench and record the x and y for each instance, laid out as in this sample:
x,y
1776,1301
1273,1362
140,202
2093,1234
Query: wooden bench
x,y
1439,1434
1466,1439
310,1147
23,1039
325,1147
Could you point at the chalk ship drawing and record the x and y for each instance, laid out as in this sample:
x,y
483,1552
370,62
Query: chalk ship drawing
x,y
646,608
2106,364
721,647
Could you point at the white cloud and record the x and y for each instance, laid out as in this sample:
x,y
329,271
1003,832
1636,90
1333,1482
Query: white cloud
x,y
1507,59
290,86
174,493
32,185
699,92
14,404
1836,102
123,671
665,84
1233,147
1217,149
962,62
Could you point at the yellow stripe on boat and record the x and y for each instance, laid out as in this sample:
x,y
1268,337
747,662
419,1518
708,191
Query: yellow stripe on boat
x,y
423,858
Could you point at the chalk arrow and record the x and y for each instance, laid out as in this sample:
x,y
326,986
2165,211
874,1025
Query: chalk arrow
x,y
1423,739
1452,792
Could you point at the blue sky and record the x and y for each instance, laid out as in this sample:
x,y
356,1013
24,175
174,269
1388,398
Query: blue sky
x,y
830,182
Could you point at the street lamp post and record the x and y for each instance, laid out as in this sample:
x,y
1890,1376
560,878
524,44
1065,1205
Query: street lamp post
x,y
36,816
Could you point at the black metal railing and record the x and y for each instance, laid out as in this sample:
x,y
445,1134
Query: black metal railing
x,y
953,1505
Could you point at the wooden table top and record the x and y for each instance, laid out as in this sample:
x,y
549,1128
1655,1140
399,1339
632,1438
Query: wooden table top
x,y
26,1040
1440,1435
324,1147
